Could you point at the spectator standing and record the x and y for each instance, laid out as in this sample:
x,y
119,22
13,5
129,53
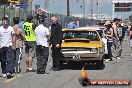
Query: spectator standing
x,y
56,40
116,46
109,35
21,27
17,44
42,46
21,24
6,36
30,40
130,36
72,25
124,30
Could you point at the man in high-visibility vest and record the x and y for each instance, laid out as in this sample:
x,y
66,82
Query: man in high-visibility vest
x,y
30,40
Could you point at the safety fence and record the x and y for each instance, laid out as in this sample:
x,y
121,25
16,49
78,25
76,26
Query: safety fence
x,y
11,12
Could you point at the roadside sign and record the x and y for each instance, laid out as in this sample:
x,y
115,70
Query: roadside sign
x,y
22,5
121,1
123,7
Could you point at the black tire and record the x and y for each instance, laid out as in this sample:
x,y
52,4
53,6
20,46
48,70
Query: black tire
x,y
105,56
61,64
100,64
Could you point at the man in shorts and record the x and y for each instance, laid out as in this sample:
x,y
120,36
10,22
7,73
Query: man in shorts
x,y
30,40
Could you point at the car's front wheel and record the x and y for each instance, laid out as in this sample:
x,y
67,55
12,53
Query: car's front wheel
x,y
100,64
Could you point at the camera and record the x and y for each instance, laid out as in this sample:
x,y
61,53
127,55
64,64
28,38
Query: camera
x,y
40,16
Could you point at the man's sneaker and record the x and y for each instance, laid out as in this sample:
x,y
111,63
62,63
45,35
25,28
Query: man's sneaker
x,y
106,60
110,60
40,72
9,76
55,69
52,68
32,70
4,75
114,58
118,58
18,71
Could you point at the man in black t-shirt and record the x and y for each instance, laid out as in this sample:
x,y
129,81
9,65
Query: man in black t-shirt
x,y
56,40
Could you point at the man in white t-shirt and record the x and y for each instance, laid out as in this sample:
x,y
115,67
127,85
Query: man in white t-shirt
x,y
42,46
6,35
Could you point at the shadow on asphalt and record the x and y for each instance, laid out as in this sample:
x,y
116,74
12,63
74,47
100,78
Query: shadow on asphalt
x,y
80,65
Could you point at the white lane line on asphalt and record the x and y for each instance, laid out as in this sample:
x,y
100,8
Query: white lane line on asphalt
x,y
9,80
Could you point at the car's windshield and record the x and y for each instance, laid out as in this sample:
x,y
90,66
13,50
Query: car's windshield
x,y
91,35
100,33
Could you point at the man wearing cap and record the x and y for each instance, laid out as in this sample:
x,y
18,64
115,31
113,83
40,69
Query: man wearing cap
x,y
109,35
42,50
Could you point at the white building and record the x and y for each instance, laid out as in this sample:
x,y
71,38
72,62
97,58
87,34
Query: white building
x,y
100,16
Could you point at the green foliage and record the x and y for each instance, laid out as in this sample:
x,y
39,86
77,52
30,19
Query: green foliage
x,y
23,1
2,2
130,18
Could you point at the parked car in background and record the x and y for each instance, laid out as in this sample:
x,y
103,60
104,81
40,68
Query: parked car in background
x,y
101,31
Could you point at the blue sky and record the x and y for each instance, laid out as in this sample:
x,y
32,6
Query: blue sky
x,y
59,6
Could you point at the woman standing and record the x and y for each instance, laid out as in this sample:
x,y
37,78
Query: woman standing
x,y
116,46
17,44
109,35
131,36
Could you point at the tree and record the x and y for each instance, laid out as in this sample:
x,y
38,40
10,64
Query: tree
x,y
4,2
23,1
130,18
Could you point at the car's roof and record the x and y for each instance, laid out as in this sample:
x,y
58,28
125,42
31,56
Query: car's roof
x,y
78,29
96,27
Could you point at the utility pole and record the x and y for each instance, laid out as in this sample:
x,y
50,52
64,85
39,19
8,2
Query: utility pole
x,y
97,9
100,11
84,13
84,8
113,11
68,8
30,6
91,1
4,10
46,3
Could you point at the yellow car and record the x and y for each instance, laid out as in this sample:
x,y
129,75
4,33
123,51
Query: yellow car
x,y
82,44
